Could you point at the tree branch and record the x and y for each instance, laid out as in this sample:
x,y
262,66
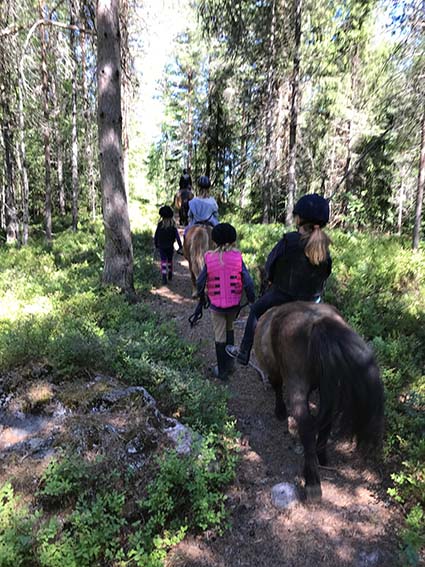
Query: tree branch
x,y
365,152
17,28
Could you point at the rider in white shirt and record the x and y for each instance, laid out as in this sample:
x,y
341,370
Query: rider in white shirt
x,y
203,208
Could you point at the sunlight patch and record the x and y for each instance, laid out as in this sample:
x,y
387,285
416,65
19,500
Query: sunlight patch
x,y
12,308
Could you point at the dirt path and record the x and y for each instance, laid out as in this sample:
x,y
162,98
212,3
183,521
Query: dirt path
x,y
352,526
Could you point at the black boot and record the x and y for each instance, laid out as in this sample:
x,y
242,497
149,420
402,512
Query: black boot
x,y
247,340
230,341
221,370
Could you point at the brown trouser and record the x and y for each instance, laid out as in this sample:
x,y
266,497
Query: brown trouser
x,y
222,323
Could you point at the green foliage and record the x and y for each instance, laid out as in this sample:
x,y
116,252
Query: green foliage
x,y
63,478
378,284
194,479
55,309
90,537
16,529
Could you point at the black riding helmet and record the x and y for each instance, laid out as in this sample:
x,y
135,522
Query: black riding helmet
x,y
313,208
204,182
224,233
166,212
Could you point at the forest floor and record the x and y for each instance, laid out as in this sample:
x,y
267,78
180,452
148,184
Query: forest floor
x,y
353,525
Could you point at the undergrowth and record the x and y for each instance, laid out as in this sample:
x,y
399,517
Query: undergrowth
x,y
378,284
84,514
53,308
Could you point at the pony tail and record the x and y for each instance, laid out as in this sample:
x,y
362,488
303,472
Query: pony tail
x,y
317,247
349,382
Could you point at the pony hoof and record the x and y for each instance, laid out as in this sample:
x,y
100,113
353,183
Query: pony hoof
x,y
313,493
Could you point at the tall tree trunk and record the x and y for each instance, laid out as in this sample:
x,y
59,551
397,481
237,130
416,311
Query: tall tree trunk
x,y
189,119
125,89
88,137
118,260
292,182
244,152
46,133
23,160
420,188
401,202
6,87
59,149
2,203
267,173
74,134
209,128
12,226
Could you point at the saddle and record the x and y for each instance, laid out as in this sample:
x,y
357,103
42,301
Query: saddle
x,y
205,223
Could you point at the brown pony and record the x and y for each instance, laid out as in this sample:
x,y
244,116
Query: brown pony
x,y
308,346
182,205
197,241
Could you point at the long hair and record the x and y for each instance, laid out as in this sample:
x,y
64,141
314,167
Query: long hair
x,y
317,247
166,223
228,247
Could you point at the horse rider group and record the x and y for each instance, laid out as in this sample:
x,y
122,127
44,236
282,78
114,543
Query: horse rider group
x,y
296,269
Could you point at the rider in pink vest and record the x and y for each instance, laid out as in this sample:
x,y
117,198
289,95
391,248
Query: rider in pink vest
x,y
224,277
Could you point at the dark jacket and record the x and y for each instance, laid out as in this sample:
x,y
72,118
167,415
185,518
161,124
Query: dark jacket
x,y
185,181
185,195
165,237
289,270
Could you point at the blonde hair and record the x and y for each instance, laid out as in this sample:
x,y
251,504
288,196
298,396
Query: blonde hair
x,y
224,248
317,247
166,223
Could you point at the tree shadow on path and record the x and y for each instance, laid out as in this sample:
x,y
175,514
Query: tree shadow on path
x,y
352,526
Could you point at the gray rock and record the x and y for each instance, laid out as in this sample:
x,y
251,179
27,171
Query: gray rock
x,y
36,444
284,495
181,436
369,558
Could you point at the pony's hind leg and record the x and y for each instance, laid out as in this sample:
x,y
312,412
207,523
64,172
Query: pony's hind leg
x,y
322,440
194,289
280,407
307,432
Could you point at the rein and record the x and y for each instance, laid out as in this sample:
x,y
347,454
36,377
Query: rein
x,y
196,316
204,303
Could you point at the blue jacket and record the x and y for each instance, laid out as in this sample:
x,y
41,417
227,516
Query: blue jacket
x,y
203,210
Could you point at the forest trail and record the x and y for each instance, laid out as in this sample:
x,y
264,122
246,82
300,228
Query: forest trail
x,y
354,525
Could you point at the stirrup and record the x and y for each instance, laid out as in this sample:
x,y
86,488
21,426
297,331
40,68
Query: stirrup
x,y
241,356
232,350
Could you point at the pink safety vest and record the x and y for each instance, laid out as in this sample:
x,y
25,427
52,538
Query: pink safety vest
x,y
224,279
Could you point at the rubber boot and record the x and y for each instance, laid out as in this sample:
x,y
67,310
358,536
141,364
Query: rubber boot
x,y
244,354
247,340
230,341
221,370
